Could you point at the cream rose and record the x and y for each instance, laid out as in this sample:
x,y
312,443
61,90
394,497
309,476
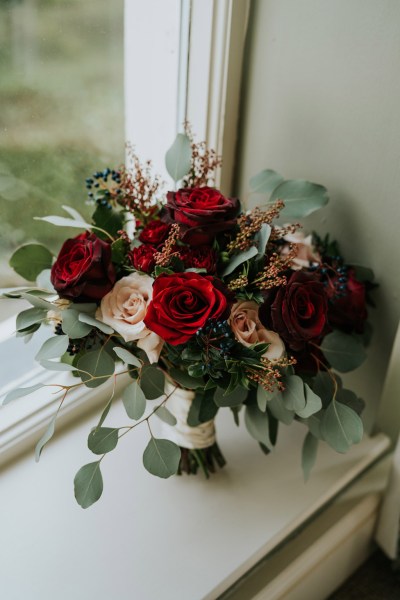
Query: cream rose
x,y
306,254
249,330
124,309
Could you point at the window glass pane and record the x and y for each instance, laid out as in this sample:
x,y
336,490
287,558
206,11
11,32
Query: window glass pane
x,y
61,112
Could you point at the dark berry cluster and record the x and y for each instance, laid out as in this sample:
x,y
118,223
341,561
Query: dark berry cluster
x,y
335,276
216,335
104,185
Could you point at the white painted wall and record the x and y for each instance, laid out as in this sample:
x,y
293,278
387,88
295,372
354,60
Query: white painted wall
x,y
322,102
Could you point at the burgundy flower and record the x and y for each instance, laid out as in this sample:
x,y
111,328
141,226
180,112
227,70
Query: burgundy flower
x,y
83,270
201,212
347,308
202,257
298,311
182,303
155,233
142,258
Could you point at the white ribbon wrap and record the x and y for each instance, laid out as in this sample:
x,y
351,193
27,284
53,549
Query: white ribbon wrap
x,y
182,434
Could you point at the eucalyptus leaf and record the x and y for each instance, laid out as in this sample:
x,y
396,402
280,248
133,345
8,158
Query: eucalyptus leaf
x,y
46,437
98,364
161,457
265,181
29,317
72,213
263,397
85,318
279,411
43,280
309,454
293,395
88,484
72,326
262,238
51,365
234,398
64,222
30,260
134,400
127,357
341,427
313,403
20,392
257,423
37,301
202,409
166,415
343,351
54,347
152,382
324,386
102,440
238,259
349,398
301,198
178,157
185,380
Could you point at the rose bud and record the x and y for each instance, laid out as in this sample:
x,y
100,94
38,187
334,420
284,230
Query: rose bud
x,y
83,270
155,233
142,258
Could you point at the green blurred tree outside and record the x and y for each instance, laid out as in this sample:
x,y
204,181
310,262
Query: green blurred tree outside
x,y
61,111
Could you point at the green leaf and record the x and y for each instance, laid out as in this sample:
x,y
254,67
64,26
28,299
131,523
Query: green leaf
x,y
178,157
134,401
350,399
344,352
118,251
43,281
64,222
72,326
46,437
88,484
301,198
37,301
363,273
30,260
56,366
127,356
202,409
238,259
341,427
278,409
234,398
102,440
262,238
257,423
265,181
96,363
309,454
263,397
72,212
54,347
313,403
324,386
166,415
152,382
20,392
29,317
85,318
161,457
108,219
185,380
293,396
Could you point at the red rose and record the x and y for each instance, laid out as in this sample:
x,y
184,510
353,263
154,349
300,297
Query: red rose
x,y
298,310
182,303
83,270
156,232
202,213
142,258
347,310
202,257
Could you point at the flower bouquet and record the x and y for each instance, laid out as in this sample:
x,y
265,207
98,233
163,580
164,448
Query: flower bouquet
x,y
208,303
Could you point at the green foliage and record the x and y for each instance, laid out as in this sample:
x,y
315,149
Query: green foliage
x,y
178,157
51,365
102,440
257,423
165,415
238,259
20,392
324,386
202,409
30,260
89,320
313,403
309,454
301,198
108,219
263,397
349,398
293,396
265,182
127,356
343,351
185,380
261,238
341,427
88,484
54,347
277,408
29,317
152,382
134,401
236,397
72,326
97,364
363,274
46,437
161,457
